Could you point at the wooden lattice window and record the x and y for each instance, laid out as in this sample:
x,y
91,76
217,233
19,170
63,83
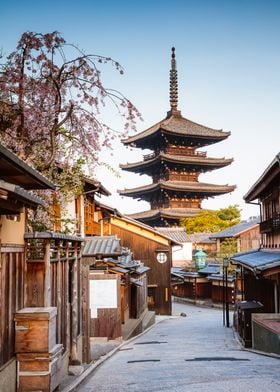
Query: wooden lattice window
x,y
89,216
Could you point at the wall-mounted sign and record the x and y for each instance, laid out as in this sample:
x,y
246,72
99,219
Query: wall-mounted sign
x,y
161,257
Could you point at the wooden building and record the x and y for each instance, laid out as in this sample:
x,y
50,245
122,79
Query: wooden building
x,y
260,269
16,180
147,244
155,250
175,165
82,214
152,248
246,234
41,329
207,284
118,289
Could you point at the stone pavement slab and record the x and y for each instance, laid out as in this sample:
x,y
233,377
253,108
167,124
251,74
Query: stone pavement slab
x,y
192,353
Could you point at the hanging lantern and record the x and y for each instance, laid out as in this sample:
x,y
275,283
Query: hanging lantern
x,y
200,258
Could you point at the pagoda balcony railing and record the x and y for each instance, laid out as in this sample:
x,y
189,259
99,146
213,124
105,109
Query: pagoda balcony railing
x,y
149,156
270,225
176,151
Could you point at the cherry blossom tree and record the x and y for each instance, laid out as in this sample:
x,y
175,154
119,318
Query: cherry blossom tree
x,y
51,94
51,102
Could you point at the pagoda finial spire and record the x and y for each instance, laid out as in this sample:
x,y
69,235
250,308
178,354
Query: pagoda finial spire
x,y
173,91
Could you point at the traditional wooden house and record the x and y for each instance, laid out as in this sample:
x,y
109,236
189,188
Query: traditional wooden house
x,y
246,235
175,165
81,215
16,179
208,285
118,289
155,250
190,285
40,288
260,269
181,254
147,245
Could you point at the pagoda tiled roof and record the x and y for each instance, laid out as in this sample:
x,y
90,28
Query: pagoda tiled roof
x,y
183,186
171,213
183,159
178,125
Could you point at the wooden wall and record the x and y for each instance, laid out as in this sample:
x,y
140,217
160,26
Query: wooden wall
x,y
53,278
138,302
261,290
146,250
193,289
108,321
218,293
11,296
250,239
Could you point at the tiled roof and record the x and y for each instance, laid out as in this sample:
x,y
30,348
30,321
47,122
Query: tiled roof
x,y
176,213
16,171
175,233
16,192
179,125
268,176
209,163
95,186
102,245
187,186
211,268
53,235
236,230
258,260
201,238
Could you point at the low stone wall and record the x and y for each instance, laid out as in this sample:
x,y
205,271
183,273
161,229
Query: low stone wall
x,y
266,332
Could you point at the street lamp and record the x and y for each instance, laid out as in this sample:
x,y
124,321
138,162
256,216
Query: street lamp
x,y
225,292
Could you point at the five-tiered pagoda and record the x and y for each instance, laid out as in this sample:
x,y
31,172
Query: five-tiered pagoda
x,y
175,165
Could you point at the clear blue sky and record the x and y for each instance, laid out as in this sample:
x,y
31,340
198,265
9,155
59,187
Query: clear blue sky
x,y
228,60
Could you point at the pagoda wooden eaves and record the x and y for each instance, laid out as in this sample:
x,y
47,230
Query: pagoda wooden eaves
x,y
170,214
202,190
199,162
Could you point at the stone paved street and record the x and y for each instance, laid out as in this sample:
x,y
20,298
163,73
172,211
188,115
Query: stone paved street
x,y
193,353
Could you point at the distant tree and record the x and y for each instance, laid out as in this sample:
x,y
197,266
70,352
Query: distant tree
x,y
230,213
212,220
51,100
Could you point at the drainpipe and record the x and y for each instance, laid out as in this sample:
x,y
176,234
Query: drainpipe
x,y
276,299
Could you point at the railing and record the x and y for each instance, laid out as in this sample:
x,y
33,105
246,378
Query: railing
x,y
177,151
185,151
270,225
149,156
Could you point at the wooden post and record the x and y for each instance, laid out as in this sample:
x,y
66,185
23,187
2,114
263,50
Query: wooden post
x,y
85,312
47,278
74,306
59,293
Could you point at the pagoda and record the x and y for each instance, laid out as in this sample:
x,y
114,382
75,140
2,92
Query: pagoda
x,y
174,165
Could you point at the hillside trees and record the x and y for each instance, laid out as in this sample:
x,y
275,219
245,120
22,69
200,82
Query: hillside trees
x,y
51,101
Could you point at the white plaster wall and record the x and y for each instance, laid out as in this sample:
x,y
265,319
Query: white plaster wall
x,y
181,254
12,232
69,213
